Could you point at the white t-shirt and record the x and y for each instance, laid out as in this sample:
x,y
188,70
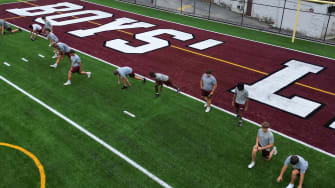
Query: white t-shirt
x,y
36,27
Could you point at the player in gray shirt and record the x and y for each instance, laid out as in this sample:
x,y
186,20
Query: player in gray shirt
x,y
160,80
208,86
47,25
63,49
240,101
299,165
75,67
4,25
264,143
123,72
53,39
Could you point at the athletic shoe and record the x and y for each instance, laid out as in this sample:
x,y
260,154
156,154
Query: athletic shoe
x,y
205,105
32,39
55,56
290,185
240,123
275,150
144,80
208,109
89,74
20,30
124,87
49,45
156,95
178,90
67,83
251,165
53,65
237,116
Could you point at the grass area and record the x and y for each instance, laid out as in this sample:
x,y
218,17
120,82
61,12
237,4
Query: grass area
x,y
171,136
302,45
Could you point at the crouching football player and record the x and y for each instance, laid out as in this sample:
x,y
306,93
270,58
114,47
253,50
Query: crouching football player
x,y
63,49
35,30
300,166
264,143
4,25
123,72
53,39
75,67
160,80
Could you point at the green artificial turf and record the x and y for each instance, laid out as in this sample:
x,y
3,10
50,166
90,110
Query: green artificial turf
x,y
171,136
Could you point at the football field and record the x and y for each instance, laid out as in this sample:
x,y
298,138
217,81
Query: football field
x,y
82,138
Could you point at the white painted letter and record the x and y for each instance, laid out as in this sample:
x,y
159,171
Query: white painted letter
x,y
47,9
264,90
115,25
98,15
154,43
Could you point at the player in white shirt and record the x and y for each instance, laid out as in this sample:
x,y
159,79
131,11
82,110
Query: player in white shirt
x,y
75,67
160,80
35,30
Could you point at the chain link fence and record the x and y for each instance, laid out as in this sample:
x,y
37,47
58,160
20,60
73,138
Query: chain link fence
x,y
316,20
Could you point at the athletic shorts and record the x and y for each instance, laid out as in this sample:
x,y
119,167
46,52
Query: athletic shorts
x,y
75,69
239,106
9,29
132,75
168,82
205,93
265,153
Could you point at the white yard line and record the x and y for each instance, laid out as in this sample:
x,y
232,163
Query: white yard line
x,y
219,108
95,138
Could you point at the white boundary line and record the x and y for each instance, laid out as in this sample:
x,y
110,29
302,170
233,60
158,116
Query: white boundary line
x,y
215,31
95,138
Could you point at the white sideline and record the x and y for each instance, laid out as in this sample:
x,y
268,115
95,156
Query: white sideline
x,y
219,108
115,151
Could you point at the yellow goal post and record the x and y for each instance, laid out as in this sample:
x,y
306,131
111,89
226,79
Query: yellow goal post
x,y
298,11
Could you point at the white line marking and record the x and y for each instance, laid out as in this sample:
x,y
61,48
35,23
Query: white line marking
x,y
24,59
205,44
42,56
332,125
6,64
218,32
129,114
221,109
74,124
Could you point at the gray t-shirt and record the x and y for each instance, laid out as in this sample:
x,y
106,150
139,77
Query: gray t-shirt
x,y
75,60
241,96
124,71
64,47
4,23
53,37
161,77
265,138
302,165
36,27
47,24
208,82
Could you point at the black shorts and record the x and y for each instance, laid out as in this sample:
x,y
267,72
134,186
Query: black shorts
x,y
265,153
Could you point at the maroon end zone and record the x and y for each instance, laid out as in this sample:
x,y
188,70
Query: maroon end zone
x,y
186,68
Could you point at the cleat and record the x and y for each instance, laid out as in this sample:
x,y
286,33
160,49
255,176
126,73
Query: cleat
x,y
144,80
156,95
67,83
89,74
275,150
251,165
20,30
290,185
55,56
240,123
124,87
208,109
205,105
53,65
